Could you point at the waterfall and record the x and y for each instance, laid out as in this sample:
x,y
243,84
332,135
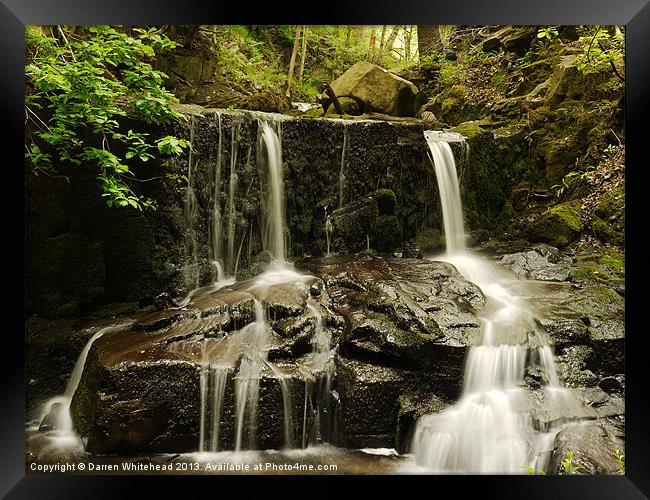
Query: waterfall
x,y
342,167
58,407
489,429
232,189
216,208
275,192
448,186
329,228
321,401
192,267
247,380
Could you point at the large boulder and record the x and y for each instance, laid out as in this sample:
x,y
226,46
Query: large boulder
x,y
558,225
378,89
413,313
593,445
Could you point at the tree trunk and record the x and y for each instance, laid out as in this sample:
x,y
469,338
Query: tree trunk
x,y
429,40
380,52
304,53
392,37
408,32
292,64
371,47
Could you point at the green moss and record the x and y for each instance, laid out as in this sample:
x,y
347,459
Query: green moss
x,y
590,271
509,108
315,112
559,225
470,130
608,223
601,267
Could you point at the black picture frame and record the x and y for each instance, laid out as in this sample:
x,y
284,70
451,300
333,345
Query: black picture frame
x,y
635,14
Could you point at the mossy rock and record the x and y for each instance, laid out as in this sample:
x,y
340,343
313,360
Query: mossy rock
x,y
349,106
387,236
559,225
315,112
451,106
608,223
507,109
471,130
386,201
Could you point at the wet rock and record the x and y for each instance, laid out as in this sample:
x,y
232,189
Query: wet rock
x,y
599,308
49,422
163,301
379,89
541,262
352,225
571,366
603,404
369,396
405,312
411,407
611,385
551,407
593,445
283,300
411,250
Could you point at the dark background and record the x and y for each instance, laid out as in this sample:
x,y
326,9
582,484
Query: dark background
x,y
14,14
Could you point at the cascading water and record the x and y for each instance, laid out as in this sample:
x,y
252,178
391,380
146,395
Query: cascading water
x,y
244,353
215,241
232,190
275,192
192,266
323,369
329,229
57,409
490,428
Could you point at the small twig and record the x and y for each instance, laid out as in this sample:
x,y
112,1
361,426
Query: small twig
x,y
66,42
38,118
611,63
617,137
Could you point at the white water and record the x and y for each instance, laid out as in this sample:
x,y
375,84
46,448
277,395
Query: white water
x,y
489,429
215,242
318,392
329,228
232,190
63,426
192,266
452,215
275,192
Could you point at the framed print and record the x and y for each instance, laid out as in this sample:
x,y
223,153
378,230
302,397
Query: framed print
x,y
371,247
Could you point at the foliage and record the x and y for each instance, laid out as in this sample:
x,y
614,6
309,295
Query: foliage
x,y
547,33
601,49
567,467
571,179
81,82
621,461
247,59
531,470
